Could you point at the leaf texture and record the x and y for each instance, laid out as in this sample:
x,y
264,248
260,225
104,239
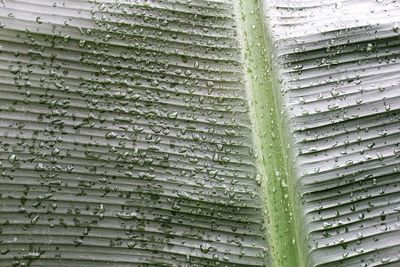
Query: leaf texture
x,y
125,136
337,80
133,133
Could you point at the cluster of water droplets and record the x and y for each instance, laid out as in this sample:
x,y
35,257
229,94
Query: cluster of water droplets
x,y
125,136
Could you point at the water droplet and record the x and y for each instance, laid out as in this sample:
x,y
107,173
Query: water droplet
x,y
12,158
111,135
210,84
205,247
396,27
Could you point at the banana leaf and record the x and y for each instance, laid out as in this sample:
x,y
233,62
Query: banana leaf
x,y
199,133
